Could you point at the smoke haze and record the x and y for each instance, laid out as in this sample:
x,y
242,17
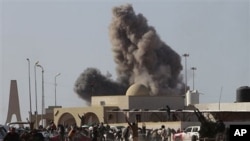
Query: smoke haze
x,y
141,57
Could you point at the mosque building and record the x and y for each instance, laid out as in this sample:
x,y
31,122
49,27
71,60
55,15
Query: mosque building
x,y
140,106
137,103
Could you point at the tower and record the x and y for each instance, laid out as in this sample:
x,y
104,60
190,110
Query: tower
x,y
14,107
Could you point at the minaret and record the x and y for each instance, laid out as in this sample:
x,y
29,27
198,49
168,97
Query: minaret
x,y
14,107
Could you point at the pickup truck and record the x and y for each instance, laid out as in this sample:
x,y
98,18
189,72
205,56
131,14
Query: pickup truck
x,y
191,133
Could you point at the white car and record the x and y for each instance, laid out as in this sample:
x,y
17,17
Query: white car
x,y
117,128
191,133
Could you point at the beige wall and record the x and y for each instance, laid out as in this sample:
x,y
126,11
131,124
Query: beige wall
x,y
241,106
74,111
226,111
156,102
157,125
139,102
120,101
102,105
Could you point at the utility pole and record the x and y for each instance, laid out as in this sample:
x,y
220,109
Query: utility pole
x,y
186,55
193,68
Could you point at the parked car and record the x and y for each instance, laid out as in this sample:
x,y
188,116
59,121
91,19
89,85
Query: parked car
x,y
117,128
191,133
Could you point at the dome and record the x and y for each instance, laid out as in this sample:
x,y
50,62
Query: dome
x,y
137,90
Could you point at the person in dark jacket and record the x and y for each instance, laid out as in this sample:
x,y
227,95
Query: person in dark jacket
x,y
36,136
12,135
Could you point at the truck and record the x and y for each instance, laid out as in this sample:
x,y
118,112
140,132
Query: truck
x,y
211,129
191,133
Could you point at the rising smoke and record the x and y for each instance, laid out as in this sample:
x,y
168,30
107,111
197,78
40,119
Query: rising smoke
x,y
92,83
141,57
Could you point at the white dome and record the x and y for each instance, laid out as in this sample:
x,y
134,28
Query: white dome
x,y
137,90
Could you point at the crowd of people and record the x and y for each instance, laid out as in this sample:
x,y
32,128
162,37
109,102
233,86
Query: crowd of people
x,y
23,135
93,132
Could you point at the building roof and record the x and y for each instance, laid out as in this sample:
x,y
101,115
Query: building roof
x,y
137,90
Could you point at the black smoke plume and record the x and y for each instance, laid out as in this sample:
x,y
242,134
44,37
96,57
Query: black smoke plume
x,y
92,83
141,57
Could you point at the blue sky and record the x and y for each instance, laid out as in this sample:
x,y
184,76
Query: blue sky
x,y
68,36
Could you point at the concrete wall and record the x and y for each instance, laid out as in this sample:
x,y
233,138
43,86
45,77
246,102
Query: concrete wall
x,y
156,102
100,105
156,125
242,106
74,111
228,112
139,102
120,101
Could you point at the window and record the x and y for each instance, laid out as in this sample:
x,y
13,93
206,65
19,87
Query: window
x,y
188,129
195,129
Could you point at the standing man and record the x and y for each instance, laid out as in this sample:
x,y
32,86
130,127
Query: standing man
x,y
82,118
168,112
134,127
163,133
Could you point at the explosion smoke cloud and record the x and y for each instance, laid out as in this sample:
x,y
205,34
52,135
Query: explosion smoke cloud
x,y
92,83
141,57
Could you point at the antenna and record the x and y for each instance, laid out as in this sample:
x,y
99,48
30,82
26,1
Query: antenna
x,y
220,95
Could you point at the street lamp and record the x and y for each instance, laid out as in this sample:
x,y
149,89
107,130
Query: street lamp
x,y
30,113
193,68
186,55
36,90
42,92
56,85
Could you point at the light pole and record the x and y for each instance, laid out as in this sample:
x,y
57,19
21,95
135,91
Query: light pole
x,y
193,68
186,55
56,85
42,92
36,90
30,113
